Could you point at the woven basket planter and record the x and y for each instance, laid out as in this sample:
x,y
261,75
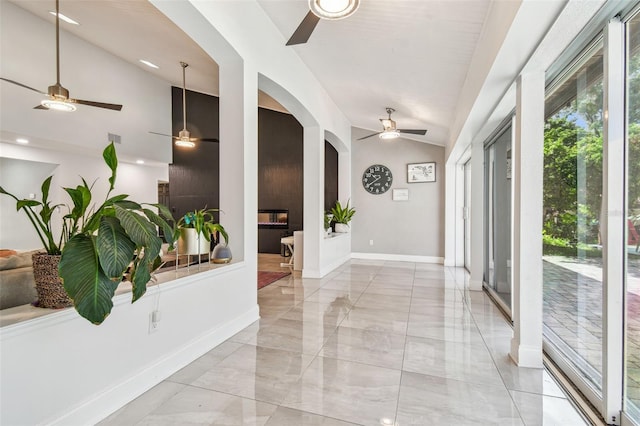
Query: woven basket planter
x,y
51,293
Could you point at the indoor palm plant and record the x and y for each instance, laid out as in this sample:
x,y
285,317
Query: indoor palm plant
x,y
98,245
342,216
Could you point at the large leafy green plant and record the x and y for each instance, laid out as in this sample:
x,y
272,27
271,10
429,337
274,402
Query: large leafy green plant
x,y
99,245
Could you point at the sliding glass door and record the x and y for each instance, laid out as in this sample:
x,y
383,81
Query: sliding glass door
x,y
632,238
498,217
572,250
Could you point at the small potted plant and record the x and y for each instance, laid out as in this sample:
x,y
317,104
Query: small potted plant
x,y
194,231
342,216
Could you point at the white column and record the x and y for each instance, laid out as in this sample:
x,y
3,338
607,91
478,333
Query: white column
x,y
526,345
613,221
477,216
451,218
238,150
313,200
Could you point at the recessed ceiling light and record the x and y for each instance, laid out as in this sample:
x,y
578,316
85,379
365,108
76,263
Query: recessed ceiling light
x,y
64,18
149,64
139,161
22,141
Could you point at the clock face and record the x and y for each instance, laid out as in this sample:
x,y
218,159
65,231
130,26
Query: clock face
x,y
377,179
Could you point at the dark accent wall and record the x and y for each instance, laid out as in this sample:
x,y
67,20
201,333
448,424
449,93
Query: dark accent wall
x,y
330,176
193,175
280,173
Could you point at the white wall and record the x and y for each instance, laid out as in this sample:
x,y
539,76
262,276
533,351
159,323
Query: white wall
x,y
413,229
61,369
27,44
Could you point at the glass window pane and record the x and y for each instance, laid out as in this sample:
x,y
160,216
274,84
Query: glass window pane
x,y
572,260
498,216
632,302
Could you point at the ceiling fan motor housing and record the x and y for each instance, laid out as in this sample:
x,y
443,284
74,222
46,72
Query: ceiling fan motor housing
x,y
57,91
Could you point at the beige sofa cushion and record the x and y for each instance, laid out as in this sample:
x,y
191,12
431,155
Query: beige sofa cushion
x,y
20,260
17,286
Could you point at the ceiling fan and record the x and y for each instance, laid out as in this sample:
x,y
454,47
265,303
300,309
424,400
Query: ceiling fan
x,y
390,131
321,9
58,96
184,138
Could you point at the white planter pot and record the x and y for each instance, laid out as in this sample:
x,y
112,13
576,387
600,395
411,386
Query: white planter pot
x,y
342,228
188,242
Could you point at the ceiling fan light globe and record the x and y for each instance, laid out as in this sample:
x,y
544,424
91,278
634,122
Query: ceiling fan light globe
x,y
185,143
389,134
58,105
333,9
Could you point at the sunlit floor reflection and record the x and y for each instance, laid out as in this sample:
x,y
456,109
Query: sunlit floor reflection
x,y
372,343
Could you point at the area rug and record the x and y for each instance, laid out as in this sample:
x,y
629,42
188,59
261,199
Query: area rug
x,y
268,277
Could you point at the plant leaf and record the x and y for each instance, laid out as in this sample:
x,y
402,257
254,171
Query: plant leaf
x,y
164,211
166,228
140,230
91,290
115,199
27,203
45,189
81,198
213,227
139,279
128,204
115,249
109,155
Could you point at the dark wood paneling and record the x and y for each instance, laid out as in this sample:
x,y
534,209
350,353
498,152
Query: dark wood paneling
x,y
330,176
194,175
280,174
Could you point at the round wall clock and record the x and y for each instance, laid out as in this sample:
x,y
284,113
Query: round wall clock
x,y
377,179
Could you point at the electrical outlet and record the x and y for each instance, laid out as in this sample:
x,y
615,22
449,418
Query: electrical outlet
x,y
370,242
154,319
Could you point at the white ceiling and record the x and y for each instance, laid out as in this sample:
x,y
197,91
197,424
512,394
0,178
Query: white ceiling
x,y
413,56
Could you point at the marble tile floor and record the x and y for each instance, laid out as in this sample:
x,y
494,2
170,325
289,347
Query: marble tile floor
x,y
374,343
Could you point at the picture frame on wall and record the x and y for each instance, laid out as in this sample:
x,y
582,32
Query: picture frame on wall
x,y
421,172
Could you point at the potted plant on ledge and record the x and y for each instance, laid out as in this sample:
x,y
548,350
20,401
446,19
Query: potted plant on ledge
x,y
194,232
342,216
98,245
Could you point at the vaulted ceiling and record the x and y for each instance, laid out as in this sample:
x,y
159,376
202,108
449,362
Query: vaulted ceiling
x,y
413,56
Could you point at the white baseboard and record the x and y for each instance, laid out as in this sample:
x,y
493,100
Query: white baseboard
x,y
525,355
398,257
102,405
475,285
449,262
